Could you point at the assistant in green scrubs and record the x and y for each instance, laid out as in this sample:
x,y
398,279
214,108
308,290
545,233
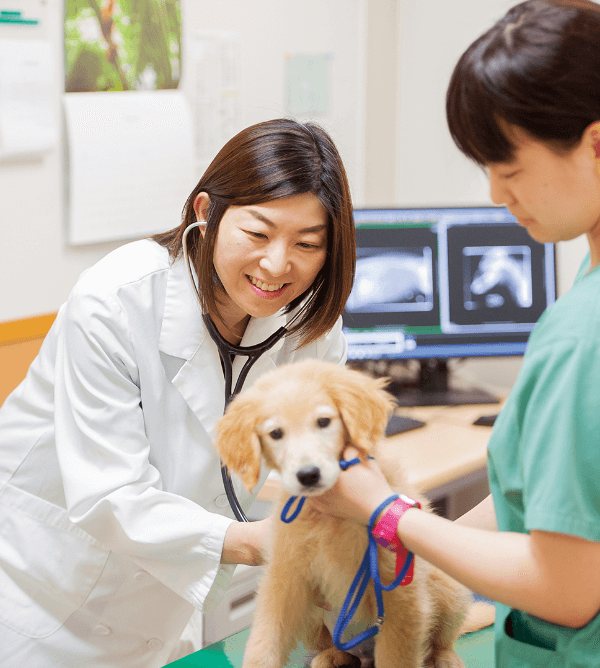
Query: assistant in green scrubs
x,y
544,463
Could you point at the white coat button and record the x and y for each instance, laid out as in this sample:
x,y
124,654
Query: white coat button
x,y
155,644
141,576
102,630
221,501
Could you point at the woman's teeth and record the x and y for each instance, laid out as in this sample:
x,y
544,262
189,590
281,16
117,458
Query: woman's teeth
x,y
266,287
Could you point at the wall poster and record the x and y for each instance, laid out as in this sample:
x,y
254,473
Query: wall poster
x,y
122,45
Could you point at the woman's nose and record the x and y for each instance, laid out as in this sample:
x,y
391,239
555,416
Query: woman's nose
x,y
275,260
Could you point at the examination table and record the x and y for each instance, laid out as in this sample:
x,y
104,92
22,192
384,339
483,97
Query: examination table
x,y
476,650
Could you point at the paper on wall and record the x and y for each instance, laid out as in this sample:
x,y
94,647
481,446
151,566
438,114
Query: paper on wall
x,y
130,163
28,123
215,63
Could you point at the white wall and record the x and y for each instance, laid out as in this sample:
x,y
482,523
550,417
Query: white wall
x,y
37,266
432,34
391,63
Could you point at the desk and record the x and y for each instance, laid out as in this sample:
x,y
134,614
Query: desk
x,y
475,649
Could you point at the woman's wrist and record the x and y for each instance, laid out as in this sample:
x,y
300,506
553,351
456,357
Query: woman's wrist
x,y
245,543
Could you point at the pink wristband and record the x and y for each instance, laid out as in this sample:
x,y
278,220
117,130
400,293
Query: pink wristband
x,y
385,534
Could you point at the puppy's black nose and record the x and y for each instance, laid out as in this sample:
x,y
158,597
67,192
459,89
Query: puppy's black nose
x,y
309,475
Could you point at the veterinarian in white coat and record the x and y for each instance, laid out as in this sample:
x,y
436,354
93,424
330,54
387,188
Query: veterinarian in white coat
x,y
114,521
524,101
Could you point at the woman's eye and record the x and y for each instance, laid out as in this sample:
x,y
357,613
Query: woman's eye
x,y
307,245
276,434
323,422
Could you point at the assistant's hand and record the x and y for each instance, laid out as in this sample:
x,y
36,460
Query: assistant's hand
x,y
358,491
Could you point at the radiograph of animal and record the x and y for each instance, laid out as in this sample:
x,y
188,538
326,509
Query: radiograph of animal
x,y
497,267
390,278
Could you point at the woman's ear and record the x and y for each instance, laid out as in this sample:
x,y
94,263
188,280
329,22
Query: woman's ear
x,y
237,442
594,130
364,405
201,207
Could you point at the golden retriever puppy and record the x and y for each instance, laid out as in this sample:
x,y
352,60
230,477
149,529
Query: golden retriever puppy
x,y
299,419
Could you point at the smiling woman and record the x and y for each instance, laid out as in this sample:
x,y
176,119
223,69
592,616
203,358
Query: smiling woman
x,y
119,407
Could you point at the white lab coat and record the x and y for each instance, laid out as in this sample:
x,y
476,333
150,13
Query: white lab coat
x,y
112,508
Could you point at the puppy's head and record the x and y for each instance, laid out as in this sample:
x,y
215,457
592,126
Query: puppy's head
x,y
300,418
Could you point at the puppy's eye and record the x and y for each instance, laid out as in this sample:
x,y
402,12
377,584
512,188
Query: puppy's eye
x,y
276,434
324,422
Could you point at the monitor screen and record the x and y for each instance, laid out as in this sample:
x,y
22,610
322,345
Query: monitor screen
x,y
445,282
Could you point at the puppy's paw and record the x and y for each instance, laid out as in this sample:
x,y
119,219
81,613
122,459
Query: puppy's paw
x,y
335,658
446,659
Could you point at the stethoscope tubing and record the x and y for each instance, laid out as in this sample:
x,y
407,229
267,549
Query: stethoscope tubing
x,y
227,351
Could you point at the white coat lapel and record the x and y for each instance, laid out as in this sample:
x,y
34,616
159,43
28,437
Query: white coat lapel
x,y
190,357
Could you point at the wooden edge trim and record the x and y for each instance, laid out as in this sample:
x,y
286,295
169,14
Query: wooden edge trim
x,y
27,329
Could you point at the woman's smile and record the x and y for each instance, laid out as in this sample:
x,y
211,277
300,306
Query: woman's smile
x,y
265,289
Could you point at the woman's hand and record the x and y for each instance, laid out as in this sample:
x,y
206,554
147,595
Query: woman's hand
x,y
358,491
247,543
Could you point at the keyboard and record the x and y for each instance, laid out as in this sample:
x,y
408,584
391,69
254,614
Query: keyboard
x,y
400,423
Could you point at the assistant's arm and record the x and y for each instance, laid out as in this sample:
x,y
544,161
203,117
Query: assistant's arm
x,y
481,516
553,576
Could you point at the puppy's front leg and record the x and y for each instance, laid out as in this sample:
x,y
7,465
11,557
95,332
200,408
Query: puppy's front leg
x,y
282,614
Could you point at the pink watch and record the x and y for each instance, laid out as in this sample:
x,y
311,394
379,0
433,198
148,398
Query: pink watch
x,y
385,534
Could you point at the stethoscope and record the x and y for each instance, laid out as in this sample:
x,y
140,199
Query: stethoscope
x,y
227,352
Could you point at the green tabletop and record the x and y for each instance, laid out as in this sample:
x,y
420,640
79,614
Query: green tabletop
x,y
475,649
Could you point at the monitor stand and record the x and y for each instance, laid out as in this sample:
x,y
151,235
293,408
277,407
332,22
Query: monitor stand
x,y
433,389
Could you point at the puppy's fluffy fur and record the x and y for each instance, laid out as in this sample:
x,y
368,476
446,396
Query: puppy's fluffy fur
x,y
299,418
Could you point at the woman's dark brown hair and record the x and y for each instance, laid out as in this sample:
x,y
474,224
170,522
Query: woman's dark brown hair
x,y
265,162
538,68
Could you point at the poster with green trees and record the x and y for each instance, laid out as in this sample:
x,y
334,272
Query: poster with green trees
x,y
116,45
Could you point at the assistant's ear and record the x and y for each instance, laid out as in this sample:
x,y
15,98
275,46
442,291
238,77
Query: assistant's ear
x,y
237,442
592,133
363,404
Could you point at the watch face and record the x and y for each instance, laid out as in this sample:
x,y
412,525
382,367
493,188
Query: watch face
x,y
409,501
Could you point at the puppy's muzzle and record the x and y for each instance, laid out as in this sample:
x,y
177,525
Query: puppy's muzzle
x,y
309,476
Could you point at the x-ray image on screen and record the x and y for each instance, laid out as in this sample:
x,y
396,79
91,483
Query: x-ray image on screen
x,y
493,278
399,280
495,274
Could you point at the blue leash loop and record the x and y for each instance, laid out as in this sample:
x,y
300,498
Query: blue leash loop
x,y
368,570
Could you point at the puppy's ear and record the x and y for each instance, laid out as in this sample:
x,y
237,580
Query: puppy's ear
x,y
363,404
237,442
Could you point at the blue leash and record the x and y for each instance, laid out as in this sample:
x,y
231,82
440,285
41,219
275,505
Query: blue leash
x,y
368,569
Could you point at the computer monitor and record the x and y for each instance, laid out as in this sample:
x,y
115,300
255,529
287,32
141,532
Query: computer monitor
x,y
439,283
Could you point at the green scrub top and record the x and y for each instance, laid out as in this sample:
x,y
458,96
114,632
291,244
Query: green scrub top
x,y
544,464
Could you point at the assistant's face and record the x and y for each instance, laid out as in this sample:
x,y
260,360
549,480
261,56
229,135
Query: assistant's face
x,y
268,254
555,196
